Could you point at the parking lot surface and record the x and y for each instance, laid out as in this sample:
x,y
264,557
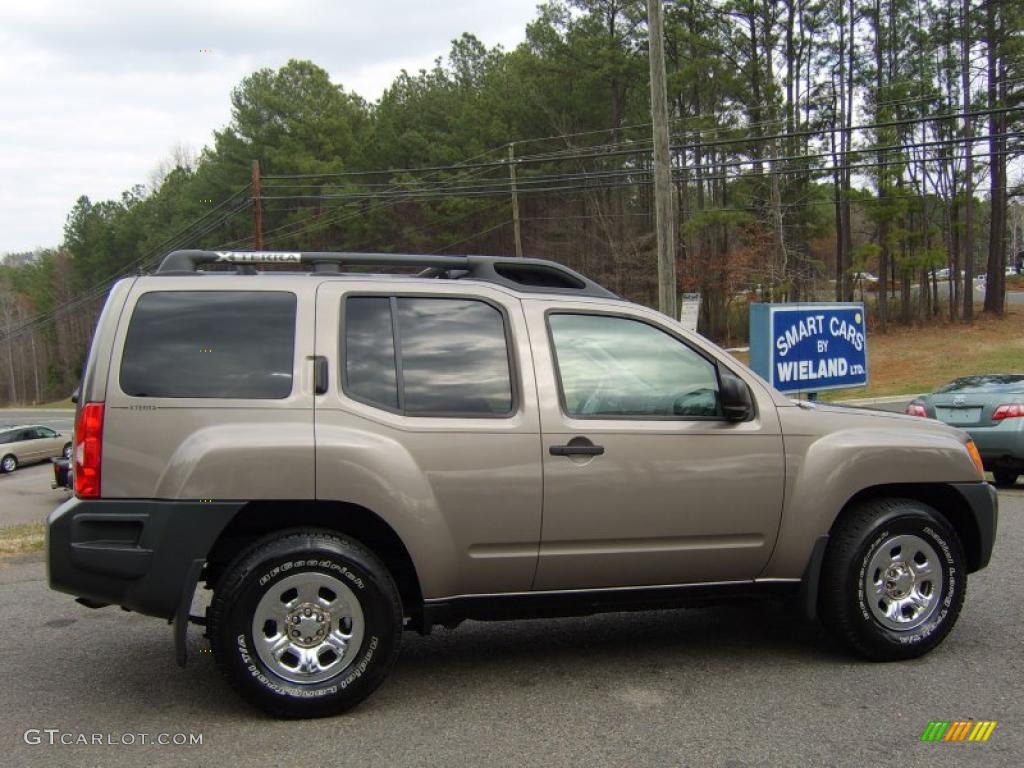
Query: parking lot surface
x,y
744,685
26,496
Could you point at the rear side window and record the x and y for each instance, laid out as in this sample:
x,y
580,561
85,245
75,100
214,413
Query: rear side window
x,y
451,359
370,371
211,344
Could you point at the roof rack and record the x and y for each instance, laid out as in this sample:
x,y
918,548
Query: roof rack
x,y
533,275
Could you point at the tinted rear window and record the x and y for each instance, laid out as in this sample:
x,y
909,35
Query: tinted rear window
x,y
452,357
996,383
213,344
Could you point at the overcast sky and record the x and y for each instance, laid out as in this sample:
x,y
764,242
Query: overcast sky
x,y
93,95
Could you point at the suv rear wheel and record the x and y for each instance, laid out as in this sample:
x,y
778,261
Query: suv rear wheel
x,y
305,624
893,579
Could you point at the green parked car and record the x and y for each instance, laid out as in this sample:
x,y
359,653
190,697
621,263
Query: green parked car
x,y
990,408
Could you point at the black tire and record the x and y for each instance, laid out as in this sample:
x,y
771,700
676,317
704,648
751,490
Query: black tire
x,y
254,574
8,463
859,542
1005,478
67,451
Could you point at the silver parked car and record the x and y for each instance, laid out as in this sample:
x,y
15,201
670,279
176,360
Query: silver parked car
x,y
31,443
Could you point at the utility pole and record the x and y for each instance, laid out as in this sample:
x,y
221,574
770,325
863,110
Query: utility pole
x,y
664,208
967,239
257,206
515,198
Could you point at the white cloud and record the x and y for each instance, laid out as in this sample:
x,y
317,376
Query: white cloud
x,y
96,94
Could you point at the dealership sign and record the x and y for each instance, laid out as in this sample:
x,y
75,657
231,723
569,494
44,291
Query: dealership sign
x,y
809,347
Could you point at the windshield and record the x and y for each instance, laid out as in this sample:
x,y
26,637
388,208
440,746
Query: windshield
x,y
1004,383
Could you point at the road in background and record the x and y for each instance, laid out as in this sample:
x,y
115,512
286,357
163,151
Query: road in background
x,y
889,404
62,419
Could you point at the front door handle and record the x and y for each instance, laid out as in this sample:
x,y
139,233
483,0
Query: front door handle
x,y
578,446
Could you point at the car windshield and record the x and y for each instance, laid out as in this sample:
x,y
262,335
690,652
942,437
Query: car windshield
x,y
1012,384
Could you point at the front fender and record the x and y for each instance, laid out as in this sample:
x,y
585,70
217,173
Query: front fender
x,y
825,471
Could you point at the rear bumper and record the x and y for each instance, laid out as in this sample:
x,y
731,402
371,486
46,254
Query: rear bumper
x,y
135,553
983,503
1001,445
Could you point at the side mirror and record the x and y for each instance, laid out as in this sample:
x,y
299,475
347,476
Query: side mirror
x,y
735,397
74,396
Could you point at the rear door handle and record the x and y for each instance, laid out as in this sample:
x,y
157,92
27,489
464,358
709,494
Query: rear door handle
x,y
578,446
320,375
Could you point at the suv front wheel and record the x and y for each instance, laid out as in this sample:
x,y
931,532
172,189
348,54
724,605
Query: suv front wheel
x,y
893,580
305,624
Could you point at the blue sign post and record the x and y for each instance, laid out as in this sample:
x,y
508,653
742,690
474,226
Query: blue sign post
x,y
808,348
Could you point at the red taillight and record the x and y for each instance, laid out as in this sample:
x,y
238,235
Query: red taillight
x,y
1008,411
88,450
916,409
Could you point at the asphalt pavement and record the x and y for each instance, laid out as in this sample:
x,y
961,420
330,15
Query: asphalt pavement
x,y
26,496
739,686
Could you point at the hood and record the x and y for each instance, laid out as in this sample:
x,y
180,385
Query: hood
x,y
818,419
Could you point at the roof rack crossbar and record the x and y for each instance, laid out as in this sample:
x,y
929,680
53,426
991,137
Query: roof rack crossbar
x,y
531,275
191,260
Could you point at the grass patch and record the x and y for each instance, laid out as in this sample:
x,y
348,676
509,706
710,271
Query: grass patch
x,y
21,539
910,360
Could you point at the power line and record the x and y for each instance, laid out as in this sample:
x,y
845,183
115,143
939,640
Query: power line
x,y
552,181
302,227
607,151
474,236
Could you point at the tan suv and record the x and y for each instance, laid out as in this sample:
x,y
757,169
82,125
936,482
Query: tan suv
x,y
340,456
29,444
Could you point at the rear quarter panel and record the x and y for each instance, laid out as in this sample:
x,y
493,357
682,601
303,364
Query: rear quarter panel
x,y
203,448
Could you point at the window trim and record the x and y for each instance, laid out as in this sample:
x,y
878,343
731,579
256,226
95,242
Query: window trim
x,y
563,408
122,344
513,368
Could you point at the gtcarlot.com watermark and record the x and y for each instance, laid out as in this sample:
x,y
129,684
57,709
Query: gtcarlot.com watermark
x,y
55,737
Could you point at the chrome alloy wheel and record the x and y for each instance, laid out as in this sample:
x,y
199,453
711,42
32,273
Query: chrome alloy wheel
x,y
902,582
10,464
308,627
